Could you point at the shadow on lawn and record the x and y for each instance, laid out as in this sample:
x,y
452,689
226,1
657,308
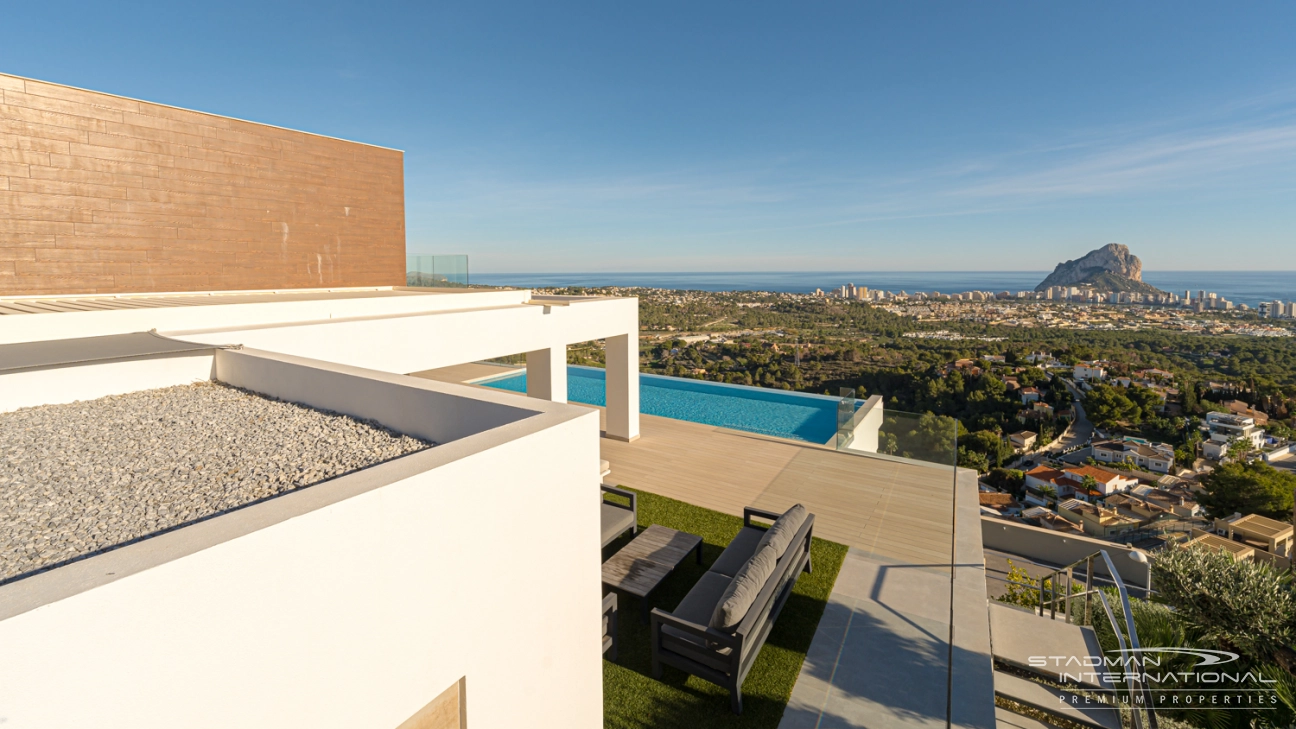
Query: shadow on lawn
x,y
632,698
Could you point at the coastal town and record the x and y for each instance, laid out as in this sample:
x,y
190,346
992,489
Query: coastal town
x,y
1272,319
1083,308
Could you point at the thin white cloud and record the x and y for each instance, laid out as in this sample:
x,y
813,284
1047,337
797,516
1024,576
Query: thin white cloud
x,y
1161,163
1204,152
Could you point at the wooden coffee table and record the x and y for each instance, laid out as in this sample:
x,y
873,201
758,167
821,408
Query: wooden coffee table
x,y
642,564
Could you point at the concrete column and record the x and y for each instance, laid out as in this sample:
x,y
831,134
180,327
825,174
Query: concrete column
x,y
547,374
623,387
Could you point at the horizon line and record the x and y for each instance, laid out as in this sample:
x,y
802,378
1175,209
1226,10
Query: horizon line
x,y
880,270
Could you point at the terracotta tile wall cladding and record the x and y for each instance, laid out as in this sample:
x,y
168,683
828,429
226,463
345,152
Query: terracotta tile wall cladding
x,y
100,194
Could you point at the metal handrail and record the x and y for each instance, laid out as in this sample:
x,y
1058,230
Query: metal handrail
x,y
1133,647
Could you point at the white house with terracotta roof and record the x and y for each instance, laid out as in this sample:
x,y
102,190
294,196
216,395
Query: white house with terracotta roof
x,y
1070,482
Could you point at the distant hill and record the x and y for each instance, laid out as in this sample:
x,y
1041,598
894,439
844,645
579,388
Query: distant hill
x,y
1108,269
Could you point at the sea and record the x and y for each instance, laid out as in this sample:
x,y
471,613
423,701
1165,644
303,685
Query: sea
x,y
1240,287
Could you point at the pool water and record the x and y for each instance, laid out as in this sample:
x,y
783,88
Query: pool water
x,y
795,415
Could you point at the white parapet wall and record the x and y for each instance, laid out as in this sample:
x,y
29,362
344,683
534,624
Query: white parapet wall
x,y
1050,547
352,603
57,385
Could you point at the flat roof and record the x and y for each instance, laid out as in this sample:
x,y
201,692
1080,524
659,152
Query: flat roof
x,y
105,302
1216,542
1261,525
82,350
85,477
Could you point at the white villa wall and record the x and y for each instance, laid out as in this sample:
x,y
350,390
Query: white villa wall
x,y
392,333
354,614
67,325
416,342
58,385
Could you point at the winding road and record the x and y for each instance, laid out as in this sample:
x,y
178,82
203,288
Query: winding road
x,y
1078,433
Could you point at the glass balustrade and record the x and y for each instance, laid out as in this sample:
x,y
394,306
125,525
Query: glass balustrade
x,y
871,428
436,271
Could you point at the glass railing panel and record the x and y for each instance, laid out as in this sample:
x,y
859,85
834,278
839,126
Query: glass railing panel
x,y
871,428
846,408
436,271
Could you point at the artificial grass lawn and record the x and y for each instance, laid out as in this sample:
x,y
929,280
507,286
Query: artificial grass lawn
x,y
631,698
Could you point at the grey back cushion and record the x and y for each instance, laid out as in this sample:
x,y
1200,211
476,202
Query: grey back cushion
x,y
780,533
741,593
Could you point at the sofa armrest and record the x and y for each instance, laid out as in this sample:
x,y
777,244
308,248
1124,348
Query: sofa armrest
x,y
610,635
634,501
662,618
750,511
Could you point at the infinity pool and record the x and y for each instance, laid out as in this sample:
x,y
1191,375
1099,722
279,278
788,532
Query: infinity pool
x,y
784,414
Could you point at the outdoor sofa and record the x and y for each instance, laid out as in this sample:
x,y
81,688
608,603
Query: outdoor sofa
x,y
610,626
617,518
717,630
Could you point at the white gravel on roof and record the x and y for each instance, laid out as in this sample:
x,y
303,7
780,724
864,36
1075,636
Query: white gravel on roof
x,y
80,478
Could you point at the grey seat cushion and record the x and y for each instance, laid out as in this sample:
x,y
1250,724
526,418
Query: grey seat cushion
x,y
615,521
781,532
738,552
698,605
741,593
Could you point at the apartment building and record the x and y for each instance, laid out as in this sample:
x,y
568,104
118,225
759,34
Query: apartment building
x,y
1225,429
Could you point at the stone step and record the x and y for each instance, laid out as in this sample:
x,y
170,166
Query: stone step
x,y
1005,719
1017,636
1057,702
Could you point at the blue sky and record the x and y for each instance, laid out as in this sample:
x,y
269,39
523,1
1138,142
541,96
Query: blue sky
x,y
754,136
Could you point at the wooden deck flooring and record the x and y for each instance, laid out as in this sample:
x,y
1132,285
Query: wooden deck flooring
x,y
895,510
